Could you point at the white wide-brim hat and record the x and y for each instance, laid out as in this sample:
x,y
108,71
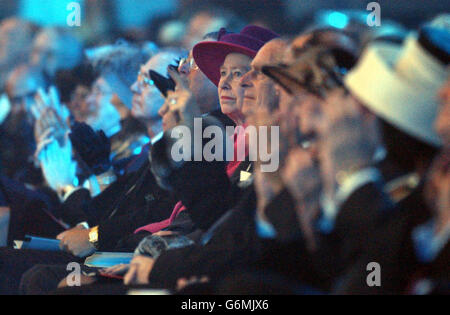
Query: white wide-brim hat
x,y
400,85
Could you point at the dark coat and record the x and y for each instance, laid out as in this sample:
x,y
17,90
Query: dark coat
x,y
31,210
125,206
227,245
355,222
391,246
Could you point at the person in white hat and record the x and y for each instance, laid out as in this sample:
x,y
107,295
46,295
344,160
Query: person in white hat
x,y
399,84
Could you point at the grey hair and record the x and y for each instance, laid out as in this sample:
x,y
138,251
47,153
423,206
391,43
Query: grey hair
x,y
121,59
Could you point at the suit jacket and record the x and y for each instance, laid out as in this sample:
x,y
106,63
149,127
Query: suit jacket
x,y
392,247
16,146
131,201
31,210
142,203
362,212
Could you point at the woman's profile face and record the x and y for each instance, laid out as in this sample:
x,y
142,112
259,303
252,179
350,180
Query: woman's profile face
x,y
231,92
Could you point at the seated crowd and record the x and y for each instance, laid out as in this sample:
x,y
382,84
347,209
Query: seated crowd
x,y
350,172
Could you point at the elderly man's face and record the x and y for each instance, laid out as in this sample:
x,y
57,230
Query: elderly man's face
x,y
104,114
442,123
260,90
147,99
203,90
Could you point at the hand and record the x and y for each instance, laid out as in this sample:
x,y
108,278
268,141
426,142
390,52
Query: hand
x,y
58,168
50,100
84,280
94,148
269,184
165,233
289,130
184,282
50,113
42,142
348,139
76,242
301,176
139,271
181,100
268,97
49,120
117,270
267,187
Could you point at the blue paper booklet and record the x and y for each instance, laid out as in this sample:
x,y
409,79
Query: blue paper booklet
x,y
106,259
97,260
38,243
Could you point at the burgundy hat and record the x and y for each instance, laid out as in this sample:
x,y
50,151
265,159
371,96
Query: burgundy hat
x,y
209,56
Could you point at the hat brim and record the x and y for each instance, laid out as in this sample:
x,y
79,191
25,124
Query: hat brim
x,y
315,71
209,57
284,78
378,86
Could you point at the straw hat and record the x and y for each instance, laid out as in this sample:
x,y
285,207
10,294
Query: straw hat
x,y
399,83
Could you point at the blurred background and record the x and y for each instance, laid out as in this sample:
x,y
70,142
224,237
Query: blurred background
x,y
166,21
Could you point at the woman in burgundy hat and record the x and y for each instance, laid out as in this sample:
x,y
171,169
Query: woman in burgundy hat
x,y
225,61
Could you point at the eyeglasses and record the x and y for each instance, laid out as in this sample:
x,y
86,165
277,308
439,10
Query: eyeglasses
x,y
190,62
145,79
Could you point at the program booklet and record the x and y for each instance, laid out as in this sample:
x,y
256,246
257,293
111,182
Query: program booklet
x,y
107,259
38,243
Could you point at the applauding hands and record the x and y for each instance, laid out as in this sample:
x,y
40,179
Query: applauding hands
x,y
54,149
50,113
57,165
